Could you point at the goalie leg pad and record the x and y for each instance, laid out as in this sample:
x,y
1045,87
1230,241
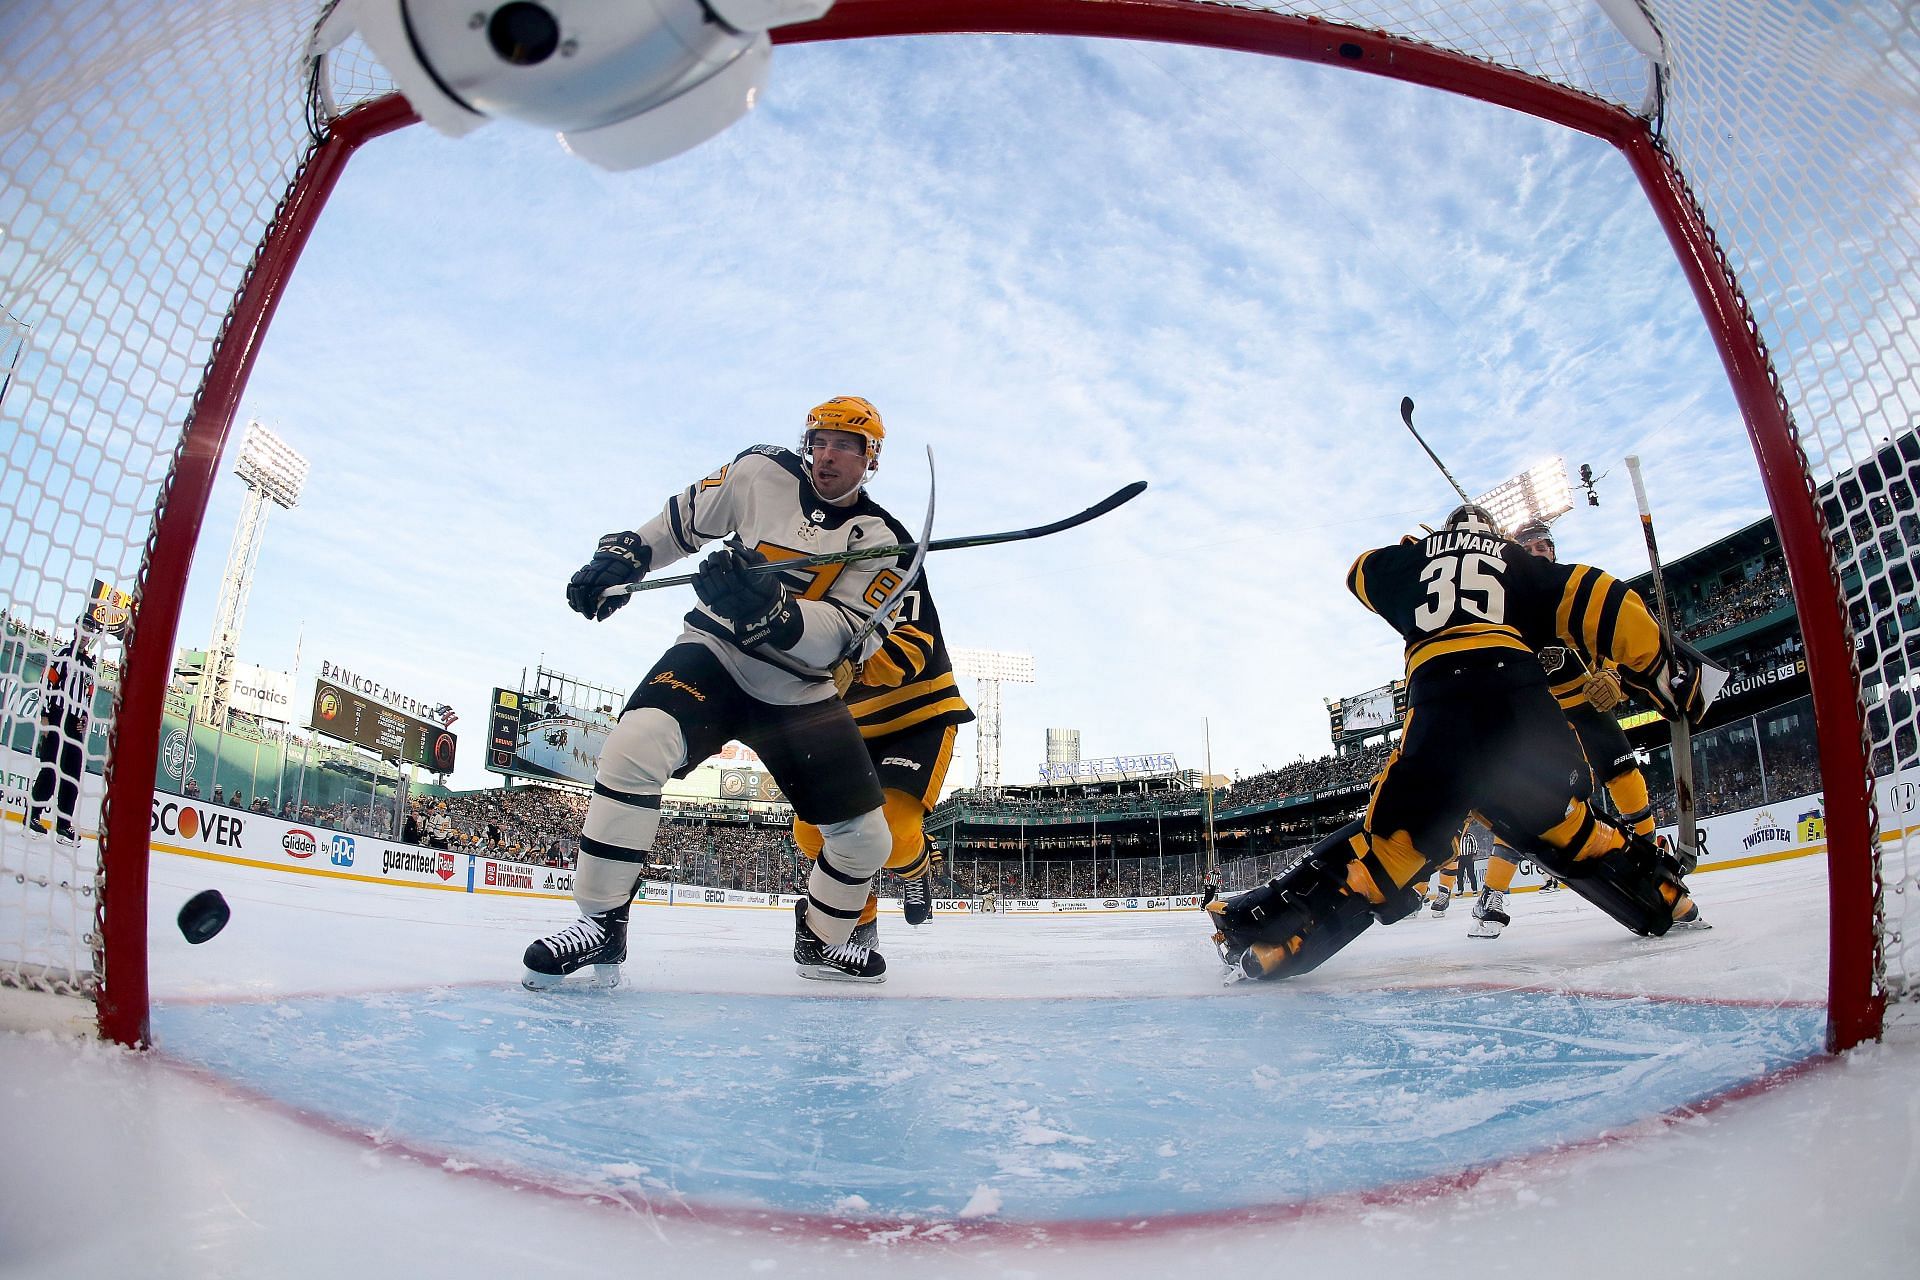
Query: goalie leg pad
x,y
1292,924
1634,883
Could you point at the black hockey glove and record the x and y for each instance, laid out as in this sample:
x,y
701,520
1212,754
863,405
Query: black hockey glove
x,y
619,559
758,605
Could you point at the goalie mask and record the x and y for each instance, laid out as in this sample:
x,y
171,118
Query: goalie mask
x,y
1472,518
845,413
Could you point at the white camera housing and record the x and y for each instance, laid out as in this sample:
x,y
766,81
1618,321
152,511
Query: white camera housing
x,y
625,84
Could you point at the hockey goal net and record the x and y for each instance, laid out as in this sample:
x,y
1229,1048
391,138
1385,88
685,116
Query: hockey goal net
x,y
159,173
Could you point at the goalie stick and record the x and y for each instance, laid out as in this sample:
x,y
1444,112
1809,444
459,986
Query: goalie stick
x,y
1125,494
1680,757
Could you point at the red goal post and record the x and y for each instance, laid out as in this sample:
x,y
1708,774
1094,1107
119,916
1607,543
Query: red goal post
x,y
159,179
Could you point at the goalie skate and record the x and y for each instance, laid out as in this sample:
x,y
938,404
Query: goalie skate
x,y
1691,920
599,940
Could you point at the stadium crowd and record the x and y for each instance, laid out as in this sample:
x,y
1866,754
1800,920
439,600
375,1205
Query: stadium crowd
x,y
1302,777
1731,605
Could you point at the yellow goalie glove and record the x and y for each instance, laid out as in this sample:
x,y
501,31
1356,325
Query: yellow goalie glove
x,y
1602,690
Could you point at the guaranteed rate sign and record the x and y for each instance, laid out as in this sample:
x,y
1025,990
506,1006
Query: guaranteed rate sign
x,y
343,714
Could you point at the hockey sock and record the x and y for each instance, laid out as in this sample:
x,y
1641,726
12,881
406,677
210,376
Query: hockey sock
x,y
842,876
1500,869
1629,792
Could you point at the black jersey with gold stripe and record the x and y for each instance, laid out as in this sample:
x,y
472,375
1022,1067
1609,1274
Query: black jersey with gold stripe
x,y
1460,590
1448,592
909,683
1566,675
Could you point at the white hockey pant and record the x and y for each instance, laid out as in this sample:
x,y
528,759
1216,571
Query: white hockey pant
x,y
843,874
616,840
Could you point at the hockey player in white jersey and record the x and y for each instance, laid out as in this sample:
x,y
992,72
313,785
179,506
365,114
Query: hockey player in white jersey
x,y
754,663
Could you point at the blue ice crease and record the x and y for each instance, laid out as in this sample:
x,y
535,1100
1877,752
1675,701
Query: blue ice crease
x,y
1063,1109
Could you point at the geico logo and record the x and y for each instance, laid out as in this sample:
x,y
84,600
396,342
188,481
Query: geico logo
x,y
192,823
715,895
299,843
409,860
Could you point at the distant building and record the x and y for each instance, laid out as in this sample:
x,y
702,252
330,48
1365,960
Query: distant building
x,y
1063,746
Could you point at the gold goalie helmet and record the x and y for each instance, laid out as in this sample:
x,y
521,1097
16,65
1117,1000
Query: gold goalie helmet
x,y
845,413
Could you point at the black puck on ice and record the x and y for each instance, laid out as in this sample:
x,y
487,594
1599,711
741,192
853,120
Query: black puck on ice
x,y
205,914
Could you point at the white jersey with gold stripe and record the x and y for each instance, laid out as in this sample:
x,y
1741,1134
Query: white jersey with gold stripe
x,y
764,498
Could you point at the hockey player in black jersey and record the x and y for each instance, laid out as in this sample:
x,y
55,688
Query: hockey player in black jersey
x,y
1587,693
754,663
909,709
1482,734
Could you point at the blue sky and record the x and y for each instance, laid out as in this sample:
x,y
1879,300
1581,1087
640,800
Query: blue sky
x,y
1063,264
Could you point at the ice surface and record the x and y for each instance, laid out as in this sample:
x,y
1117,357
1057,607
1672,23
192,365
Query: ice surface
x,y
349,1078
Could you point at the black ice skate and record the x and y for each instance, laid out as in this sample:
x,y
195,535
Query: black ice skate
x,y
599,940
916,897
1489,915
813,957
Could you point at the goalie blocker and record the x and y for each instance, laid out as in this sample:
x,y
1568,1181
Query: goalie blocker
x,y
1297,921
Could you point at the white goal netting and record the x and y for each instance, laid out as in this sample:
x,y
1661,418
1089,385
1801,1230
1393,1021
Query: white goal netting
x,y
147,151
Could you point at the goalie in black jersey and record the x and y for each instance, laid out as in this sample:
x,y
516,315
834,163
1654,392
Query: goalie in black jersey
x,y
755,663
1482,734
909,709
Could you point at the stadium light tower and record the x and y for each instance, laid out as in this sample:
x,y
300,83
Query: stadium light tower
x,y
989,669
273,472
1539,493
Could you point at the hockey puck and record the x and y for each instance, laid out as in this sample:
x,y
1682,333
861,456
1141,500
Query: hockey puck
x,y
205,914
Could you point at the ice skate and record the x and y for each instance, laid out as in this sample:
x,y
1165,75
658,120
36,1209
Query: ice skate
x,y
599,940
1489,914
1438,901
1691,918
815,958
916,896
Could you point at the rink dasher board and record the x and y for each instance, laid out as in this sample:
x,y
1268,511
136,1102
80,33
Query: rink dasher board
x,y
1777,831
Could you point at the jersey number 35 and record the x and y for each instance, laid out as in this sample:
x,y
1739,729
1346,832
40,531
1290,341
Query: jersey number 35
x,y
1461,588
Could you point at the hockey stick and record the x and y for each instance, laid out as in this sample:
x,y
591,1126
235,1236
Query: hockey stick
x,y
1681,733
1406,416
1119,496
891,601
